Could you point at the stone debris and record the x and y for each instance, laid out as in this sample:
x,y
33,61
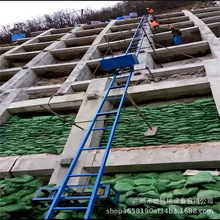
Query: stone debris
x,y
42,95
178,76
50,81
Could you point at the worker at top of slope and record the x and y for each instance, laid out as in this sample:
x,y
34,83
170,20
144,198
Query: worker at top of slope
x,y
155,25
150,12
176,35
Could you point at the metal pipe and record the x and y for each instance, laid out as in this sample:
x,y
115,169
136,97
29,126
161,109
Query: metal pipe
x,y
54,113
140,113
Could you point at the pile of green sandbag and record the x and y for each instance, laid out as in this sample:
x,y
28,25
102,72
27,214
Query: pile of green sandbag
x,y
153,191
177,124
16,198
167,191
36,135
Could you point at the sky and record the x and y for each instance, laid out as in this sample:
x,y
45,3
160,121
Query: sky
x,y
18,11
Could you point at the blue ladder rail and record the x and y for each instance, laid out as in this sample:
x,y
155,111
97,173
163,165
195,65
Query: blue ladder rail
x,y
134,48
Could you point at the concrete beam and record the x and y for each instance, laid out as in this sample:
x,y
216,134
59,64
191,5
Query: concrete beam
x,y
5,49
83,33
166,90
7,164
170,15
210,9
123,27
92,26
160,158
128,21
8,73
54,70
189,35
206,34
213,76
50,37
208,14
22,56
80,41
62,30
35,165
179,25
211,19
37,46
192,49
72,101
173,20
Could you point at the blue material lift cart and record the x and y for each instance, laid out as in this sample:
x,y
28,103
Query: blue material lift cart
x,y
64,192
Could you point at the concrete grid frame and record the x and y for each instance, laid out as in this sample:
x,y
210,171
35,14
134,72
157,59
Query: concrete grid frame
x,y
51,52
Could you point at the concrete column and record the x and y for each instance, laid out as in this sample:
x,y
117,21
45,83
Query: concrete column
x,y
212,68
206,34
86,112
4,114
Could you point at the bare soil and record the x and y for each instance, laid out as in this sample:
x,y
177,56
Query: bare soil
x,y
42,95
50,81
179,76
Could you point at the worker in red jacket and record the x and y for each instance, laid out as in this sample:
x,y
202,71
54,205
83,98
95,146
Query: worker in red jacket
x,y
155,25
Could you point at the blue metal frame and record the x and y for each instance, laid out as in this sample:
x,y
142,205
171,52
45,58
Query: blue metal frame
x,y
106,195
99,175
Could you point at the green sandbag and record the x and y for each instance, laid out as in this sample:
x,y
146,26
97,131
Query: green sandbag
x,y
122,198
22,179
7,200
146,175
27,200
149,194
4,215
213,215
121,206
176,212
129,180
216,207
9,189
142,189
13,208
212,186
35,184
111,182
133,201
173,176
122,175
63,216
208,194
123,187
177,184
143,181
166,195
200,216
93,179
185,192
161,185
200,178
20,194
130,193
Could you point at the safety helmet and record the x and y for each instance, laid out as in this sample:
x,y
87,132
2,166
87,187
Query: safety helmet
x,y
148,8
151,19
171,27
